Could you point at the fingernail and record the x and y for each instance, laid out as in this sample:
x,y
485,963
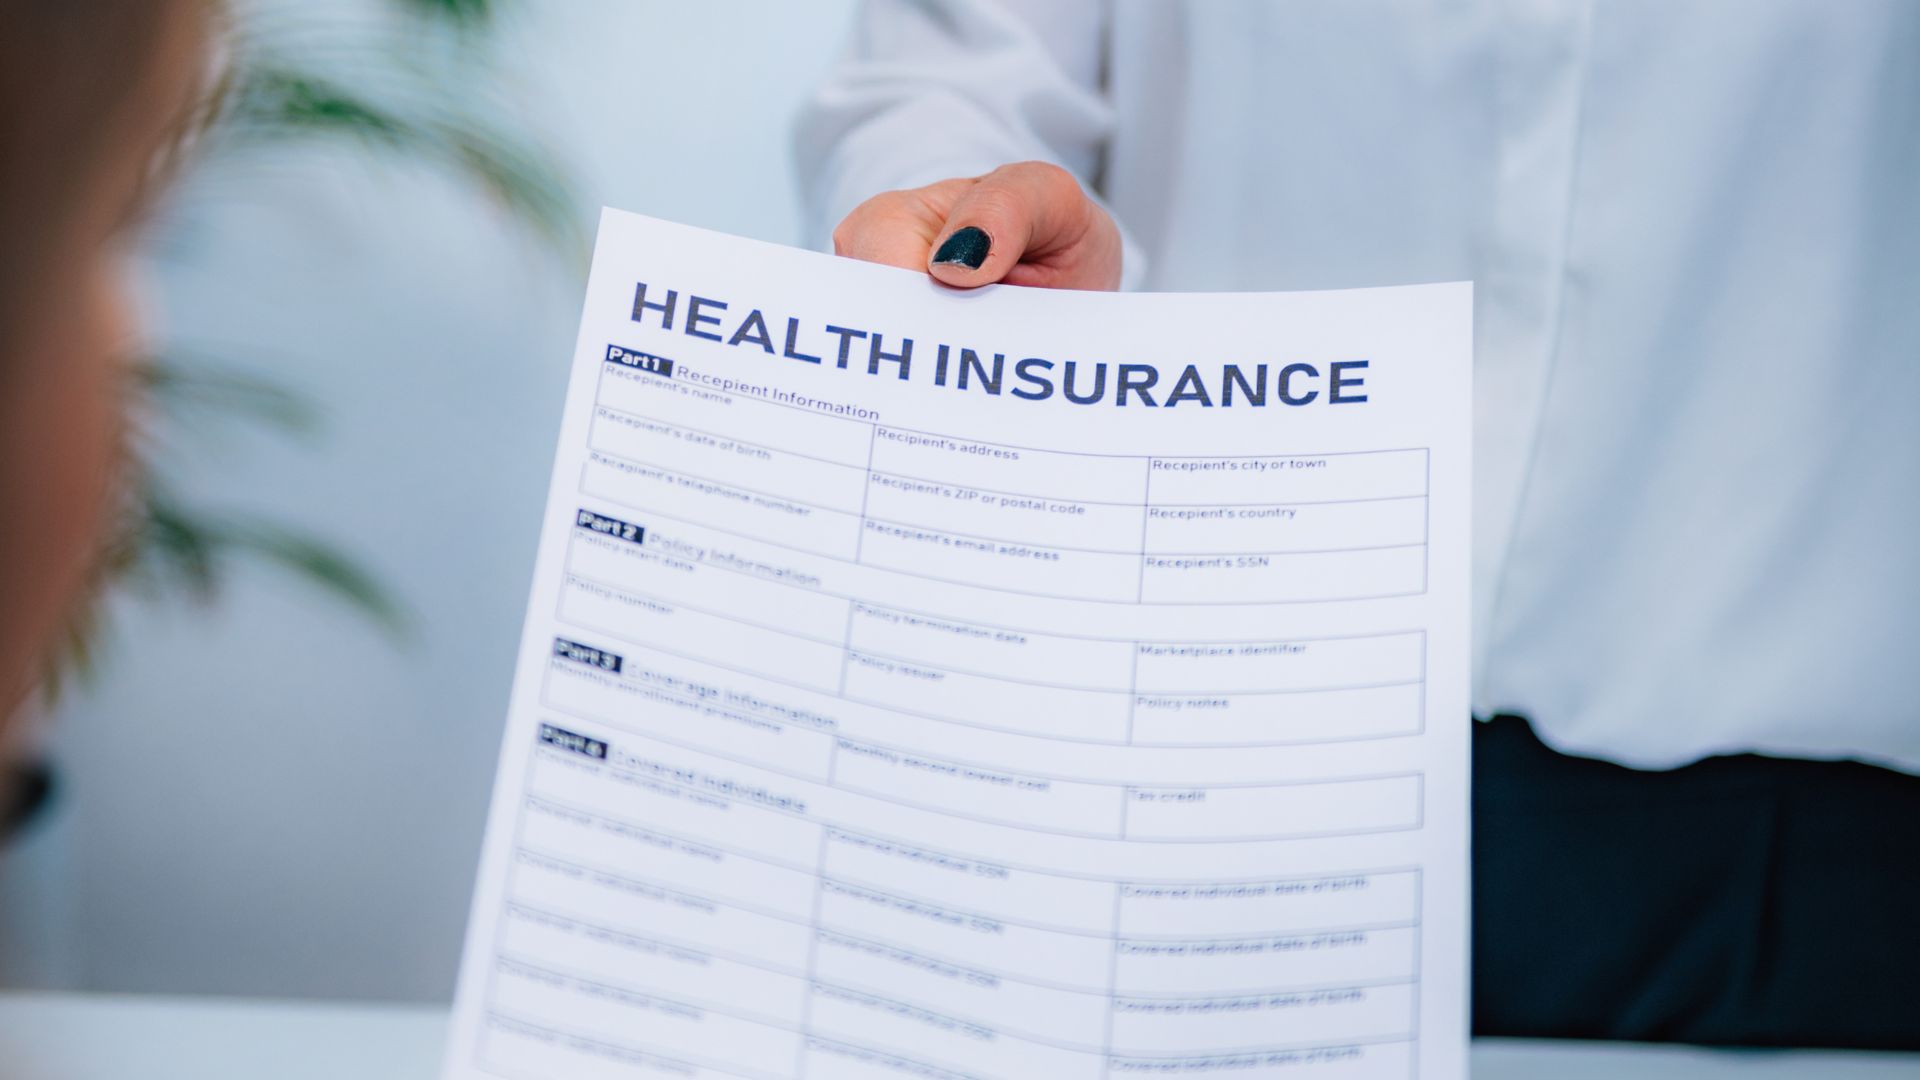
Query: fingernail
x,y
967,248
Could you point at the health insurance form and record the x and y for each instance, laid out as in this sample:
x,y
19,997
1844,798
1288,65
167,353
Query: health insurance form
x,y
1016,683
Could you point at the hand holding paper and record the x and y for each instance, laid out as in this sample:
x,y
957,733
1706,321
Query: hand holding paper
x,y
1025,224
895,703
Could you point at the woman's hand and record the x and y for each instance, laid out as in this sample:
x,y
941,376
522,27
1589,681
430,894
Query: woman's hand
x,y
1024,224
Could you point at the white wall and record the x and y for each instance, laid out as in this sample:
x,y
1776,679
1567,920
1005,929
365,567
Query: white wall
x,y
266,797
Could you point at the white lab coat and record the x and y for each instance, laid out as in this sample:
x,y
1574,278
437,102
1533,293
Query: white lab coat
x,y
1695,232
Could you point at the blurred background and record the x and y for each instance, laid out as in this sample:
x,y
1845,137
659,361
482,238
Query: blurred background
x,y
368,303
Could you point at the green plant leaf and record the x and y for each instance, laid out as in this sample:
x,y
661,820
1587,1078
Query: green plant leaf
x,y
463,13
178,386
416,97
172,549
272,102
161,548
269,101
76,655
516,177
320,565
177,549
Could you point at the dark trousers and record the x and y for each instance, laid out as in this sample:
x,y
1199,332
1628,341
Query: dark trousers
x,y
1740,900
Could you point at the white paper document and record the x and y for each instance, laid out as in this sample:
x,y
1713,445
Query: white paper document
x,y
1013,683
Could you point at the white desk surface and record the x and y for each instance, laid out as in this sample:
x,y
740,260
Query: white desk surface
x,y
113,1037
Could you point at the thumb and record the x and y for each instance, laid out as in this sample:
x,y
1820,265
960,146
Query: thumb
x,y
1031,211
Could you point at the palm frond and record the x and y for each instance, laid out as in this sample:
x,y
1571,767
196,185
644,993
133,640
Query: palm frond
x,y
460,13
517,177
272,102
177,549
76,655
320,565
268,101
180,386
171,548
412,98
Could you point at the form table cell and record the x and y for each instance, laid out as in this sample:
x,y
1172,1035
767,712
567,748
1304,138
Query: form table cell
x,y
1008,469
1287,478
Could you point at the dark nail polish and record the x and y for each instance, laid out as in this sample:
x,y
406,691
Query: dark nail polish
x,y
967,248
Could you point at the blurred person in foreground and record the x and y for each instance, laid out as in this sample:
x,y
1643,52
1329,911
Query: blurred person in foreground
x,y
1695,236
94,95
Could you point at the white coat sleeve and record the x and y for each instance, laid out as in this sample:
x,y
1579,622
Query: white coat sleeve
x,y
929,90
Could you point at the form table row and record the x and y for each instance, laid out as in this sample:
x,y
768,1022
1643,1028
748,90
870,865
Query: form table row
x,y
826,460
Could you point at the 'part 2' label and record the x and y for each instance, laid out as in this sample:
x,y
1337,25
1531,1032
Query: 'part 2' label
x,y
611,527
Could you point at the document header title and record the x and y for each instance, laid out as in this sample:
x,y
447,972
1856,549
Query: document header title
x,y
1031,378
